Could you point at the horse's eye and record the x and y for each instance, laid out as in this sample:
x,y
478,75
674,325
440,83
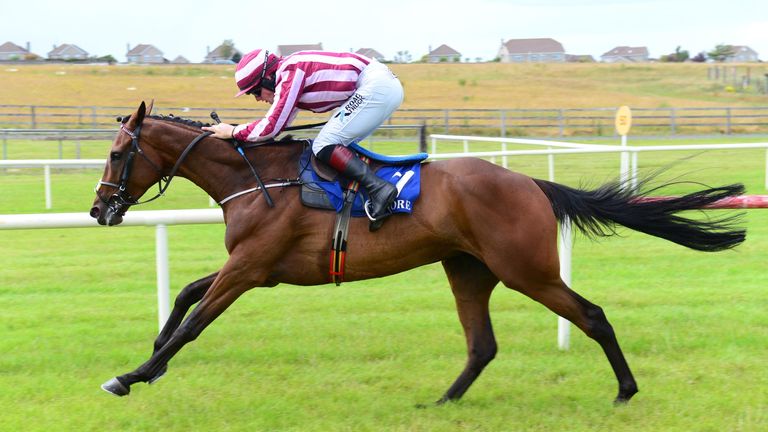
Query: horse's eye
x,y
115,156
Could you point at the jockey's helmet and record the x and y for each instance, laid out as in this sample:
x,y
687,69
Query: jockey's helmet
x,y
254,70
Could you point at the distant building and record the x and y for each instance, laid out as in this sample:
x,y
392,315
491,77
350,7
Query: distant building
x,y
180,60
67,52
284,50
223,53
443,54
145,54
370,53
741,54
9,51
625,54
536,50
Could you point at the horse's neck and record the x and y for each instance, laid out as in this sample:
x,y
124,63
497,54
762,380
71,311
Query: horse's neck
x,y
217,168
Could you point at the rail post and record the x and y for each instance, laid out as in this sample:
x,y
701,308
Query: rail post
x,y
163,275
47,175
423,137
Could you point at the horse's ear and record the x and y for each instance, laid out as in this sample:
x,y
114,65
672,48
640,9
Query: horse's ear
x,y
151,105
140,113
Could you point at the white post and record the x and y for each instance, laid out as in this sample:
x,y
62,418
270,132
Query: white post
x,y
466,146
163,279
766,169
566,245
47,171
551,165
504,162
624,166
634,171
434,145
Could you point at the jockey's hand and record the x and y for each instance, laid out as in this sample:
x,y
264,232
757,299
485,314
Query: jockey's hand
x,y
221,130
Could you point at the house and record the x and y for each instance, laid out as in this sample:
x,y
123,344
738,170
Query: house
x,y
180,60
67,52
9,51
223,53
625,54
741,54
285,50
579,58
443,54
145,54
536,50
370,53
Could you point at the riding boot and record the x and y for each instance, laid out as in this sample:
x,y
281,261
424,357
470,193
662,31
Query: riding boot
x,y
381,193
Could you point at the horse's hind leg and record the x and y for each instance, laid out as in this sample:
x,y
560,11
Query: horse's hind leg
x,y
472,283
188,296
592,321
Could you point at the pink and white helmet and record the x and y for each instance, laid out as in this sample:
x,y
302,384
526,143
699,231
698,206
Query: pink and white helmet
x,y
253,68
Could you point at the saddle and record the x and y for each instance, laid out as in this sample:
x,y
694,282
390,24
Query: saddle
x,y
322,188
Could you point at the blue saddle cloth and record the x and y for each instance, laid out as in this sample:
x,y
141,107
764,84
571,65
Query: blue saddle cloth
x,y
402,171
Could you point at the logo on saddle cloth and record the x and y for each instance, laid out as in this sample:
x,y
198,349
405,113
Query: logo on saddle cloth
x,y
318,192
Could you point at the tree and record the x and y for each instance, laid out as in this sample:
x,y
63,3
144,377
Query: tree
x,y
678,56
228,49
403,57
721,52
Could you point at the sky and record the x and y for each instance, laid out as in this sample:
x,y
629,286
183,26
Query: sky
x,y
475,28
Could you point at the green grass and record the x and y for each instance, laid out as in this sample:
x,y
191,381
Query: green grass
x,y
79,306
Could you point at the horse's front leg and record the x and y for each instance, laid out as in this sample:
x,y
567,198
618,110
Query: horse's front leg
x,y
231,282
188,296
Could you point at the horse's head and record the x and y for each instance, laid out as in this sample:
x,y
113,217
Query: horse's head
x,y
128,172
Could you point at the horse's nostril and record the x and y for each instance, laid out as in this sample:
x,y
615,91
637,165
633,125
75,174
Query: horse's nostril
x,y
95,212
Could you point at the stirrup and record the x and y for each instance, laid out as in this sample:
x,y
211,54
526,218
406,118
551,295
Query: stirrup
x,y
375,223
368,212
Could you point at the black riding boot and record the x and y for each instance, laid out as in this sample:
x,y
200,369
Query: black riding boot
x,y
381,193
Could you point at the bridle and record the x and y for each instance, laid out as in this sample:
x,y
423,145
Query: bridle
x,y
120,201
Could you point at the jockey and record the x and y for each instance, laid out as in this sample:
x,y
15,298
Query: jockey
x,y
365,91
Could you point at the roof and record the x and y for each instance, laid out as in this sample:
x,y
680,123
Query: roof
x,y
64,48
369,52
444,50
10,47
742,48
285,50
180,59
536,45
623,51
142,49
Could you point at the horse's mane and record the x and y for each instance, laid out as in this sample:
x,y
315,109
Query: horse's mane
x,y
180,120
170,118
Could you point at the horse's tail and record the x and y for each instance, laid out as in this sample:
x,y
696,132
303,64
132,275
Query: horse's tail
x,y
597,212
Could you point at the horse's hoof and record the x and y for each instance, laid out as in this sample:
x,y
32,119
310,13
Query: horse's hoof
x,y
115,387
157,377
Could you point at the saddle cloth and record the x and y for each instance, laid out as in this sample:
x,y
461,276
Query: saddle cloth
x,y
402,171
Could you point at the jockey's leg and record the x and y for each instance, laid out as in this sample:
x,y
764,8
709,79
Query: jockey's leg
x,y
381,193
378,95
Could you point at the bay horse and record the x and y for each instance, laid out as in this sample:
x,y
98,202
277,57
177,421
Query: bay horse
x,y
484,223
